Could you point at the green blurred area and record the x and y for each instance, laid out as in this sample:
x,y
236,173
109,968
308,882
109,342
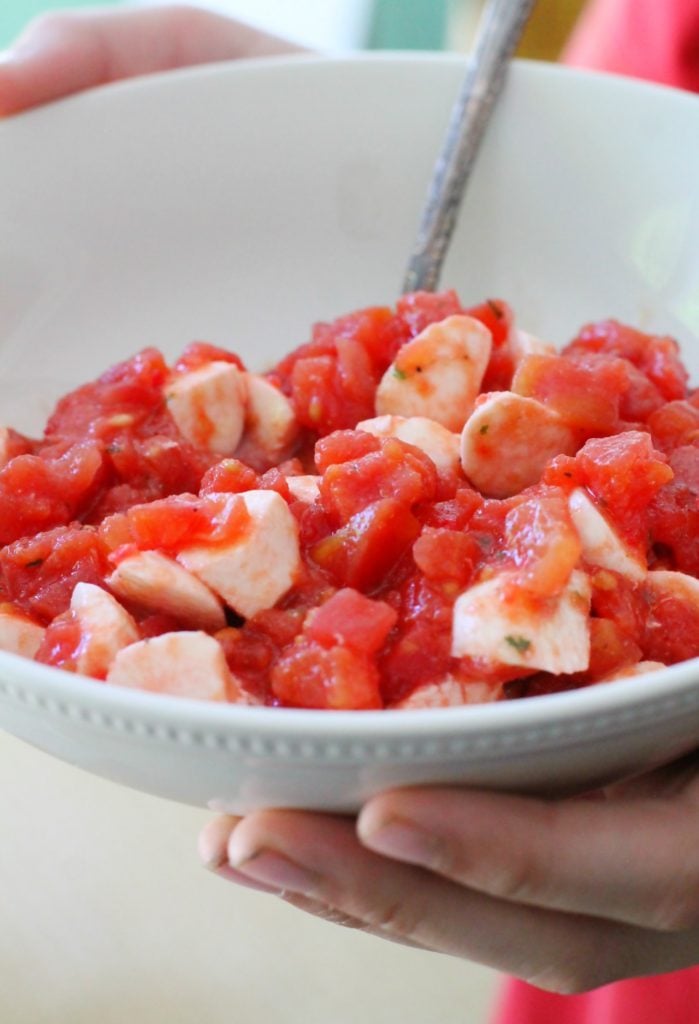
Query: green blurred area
x,y
14,14
394,24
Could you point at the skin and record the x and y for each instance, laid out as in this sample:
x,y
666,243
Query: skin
x,y
569,894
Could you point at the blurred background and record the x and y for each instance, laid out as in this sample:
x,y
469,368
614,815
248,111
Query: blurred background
x,y
106,914
351,24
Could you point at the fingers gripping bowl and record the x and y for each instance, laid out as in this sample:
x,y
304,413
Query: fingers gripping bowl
x,y
180,224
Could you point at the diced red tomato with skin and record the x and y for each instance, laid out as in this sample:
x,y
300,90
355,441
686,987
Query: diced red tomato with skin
x,y
617,600
349,619
397,470
610,649
675,425
671,630
334,392
454,513
38,493
586,397
418,310
542,542
657,357
334,678
132,389
674,511
363,553
497,316
229,477
61,642
39,573
624,473
448,555
199,353
344,446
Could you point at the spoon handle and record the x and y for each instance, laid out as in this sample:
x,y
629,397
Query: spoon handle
x,y
499,32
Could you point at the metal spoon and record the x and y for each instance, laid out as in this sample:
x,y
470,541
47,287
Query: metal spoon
x,y
500,29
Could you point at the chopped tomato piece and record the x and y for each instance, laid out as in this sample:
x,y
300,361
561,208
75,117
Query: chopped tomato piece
x,y
230,477
448,555
350,619
336,678
586,397
542,542
199,353
418,310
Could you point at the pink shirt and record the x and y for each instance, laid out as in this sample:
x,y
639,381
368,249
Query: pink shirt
x,y
656,40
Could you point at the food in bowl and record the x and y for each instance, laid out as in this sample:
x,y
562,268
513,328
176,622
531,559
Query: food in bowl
x,y
423,506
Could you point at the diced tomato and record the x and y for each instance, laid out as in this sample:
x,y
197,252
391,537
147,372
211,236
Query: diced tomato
x,y
454,513
674,511
363,553
38,493
334,392
657,357
448,555
618,600
61,642
564,471
610,648
586,397
542,542
229,477
344,446
418,310
624,473
671,629
126,396
39,573
497,316
274,480
349,619
397,470
334,678
379,332
674,425
199,353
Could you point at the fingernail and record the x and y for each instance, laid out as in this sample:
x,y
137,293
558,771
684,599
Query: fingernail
x,y
401,840
275,870
231,875
213,841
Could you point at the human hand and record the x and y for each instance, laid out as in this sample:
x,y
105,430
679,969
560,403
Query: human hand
x,y
567,894
66,52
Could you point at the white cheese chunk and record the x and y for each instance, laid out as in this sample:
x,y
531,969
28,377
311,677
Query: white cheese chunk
x,y
490,623
438,374
105,628
159,584
185,664
254,571
449,693
508,440
440,444
305,488
208,406
19,635
270,421
601,545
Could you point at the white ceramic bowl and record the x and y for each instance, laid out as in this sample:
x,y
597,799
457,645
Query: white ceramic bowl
x,y
241,203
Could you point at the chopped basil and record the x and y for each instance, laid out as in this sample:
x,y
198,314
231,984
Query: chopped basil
x,y
520,643
400,374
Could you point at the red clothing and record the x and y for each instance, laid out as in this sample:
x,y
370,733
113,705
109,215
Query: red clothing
x,y
656,40
663,999
653,39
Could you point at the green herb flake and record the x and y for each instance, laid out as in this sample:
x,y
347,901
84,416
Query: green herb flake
x,y
400,374
520,643
495,309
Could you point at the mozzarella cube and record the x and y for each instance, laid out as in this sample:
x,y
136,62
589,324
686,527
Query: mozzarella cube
x,y
185,664
492,621
641,668
508,440
440,444
438,374
524,344
159,584
208,406
270,421
305,488
253,572
601,545
663,583
19,635
449,693
105,628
